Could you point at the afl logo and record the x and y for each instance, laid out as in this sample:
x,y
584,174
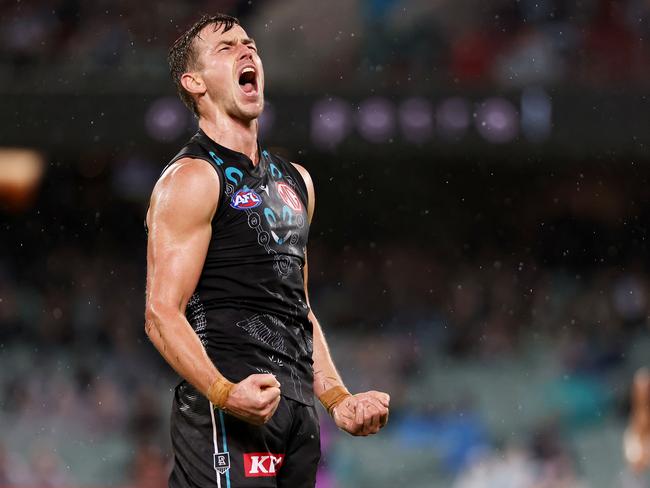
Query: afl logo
x,y
244,199
289,197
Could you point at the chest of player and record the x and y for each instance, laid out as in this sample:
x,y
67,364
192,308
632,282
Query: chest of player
x,y
264,206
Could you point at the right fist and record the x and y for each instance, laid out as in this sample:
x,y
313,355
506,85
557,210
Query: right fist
x,y
254,399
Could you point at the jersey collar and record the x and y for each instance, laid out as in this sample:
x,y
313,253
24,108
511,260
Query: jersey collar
x,y
228,154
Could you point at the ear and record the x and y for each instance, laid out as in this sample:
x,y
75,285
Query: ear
x,y
193,83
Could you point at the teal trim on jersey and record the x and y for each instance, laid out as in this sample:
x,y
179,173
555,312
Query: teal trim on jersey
x,y
225,443
232,174
275,172
216,158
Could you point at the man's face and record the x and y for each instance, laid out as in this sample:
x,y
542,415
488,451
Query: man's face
x,y
231,70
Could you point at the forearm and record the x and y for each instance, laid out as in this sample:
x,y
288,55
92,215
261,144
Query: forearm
x,y
360,414
325,374
174,338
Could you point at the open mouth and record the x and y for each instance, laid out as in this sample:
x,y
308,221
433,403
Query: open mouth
x,y
248,81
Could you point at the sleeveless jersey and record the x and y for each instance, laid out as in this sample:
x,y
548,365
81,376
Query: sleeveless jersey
x,y
249,308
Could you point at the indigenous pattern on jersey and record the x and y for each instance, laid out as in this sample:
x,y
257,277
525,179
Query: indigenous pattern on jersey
x,y
249,308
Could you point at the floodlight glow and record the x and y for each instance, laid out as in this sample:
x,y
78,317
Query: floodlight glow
x,y
376,119
21,171
166,119
416,119
497,120
330,122
453,117
536,111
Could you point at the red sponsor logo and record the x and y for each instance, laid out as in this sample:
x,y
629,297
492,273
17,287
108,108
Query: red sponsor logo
x,y
258,464
289,197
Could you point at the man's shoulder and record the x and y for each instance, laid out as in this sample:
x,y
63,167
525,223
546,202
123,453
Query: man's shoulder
x,y
306,177
188,172
188,190
292,166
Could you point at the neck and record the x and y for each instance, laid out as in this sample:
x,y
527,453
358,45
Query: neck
x,y
240,136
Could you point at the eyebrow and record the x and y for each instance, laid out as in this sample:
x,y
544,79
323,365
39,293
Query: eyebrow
x,y
245,41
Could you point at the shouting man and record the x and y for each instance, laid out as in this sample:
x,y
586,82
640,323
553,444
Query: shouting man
x,y
227,303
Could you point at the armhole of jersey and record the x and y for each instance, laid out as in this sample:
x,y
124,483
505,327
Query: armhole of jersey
x,y
297,176
214,166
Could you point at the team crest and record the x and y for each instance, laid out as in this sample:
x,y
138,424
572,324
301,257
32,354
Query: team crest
x,y
222,462
244,199
289,197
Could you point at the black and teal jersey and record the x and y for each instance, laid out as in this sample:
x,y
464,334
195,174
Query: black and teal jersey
x,y
249,308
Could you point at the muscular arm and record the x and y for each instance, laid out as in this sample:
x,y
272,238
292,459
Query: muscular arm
x,y
360,414
325,374
179,220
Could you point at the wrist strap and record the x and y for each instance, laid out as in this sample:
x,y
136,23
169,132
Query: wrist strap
x,y
219,391
332,397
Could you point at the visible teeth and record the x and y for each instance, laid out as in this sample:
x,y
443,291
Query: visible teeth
x,y
248,70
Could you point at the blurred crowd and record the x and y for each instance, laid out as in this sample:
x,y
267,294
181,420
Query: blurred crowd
x,y
373,44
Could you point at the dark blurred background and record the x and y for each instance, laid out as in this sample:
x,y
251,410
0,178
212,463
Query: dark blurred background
x,y
479,248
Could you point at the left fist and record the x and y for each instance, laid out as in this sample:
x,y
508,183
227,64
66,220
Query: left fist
x,y
362,414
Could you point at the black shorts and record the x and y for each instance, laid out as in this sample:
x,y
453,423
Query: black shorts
x,y
214,449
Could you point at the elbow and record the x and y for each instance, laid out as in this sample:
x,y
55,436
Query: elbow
x,y
149,326
149,321
153,318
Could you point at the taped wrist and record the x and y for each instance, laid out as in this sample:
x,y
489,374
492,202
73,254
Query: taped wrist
x,y
332,397
219,391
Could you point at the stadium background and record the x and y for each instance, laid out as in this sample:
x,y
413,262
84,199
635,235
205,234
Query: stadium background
x,y
479,248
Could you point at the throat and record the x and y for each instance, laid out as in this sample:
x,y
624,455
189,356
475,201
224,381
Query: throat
x,y
235,134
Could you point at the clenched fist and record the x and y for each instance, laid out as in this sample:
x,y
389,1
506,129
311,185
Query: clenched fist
x,y
362,414
254,399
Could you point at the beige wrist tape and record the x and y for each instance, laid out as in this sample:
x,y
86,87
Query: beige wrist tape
x,y
219,391
332,397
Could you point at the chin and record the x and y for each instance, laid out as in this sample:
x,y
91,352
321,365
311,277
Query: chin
x,y
251,111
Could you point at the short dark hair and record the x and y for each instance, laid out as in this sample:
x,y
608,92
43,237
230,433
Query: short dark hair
x,y
182,55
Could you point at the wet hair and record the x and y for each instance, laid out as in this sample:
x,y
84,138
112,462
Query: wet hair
x,y
182,55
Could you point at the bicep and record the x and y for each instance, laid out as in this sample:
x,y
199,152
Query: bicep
x,y
180,229
174,261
